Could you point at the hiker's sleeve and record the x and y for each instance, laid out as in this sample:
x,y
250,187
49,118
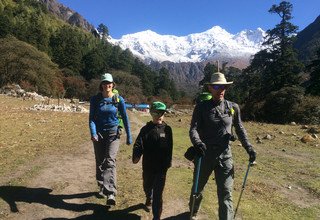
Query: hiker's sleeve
x,y
239,128
194,126
137,149
92,112
169,146
138,144
125,118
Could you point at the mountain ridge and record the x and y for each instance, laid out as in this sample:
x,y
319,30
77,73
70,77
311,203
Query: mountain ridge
x,y
215,43
66,14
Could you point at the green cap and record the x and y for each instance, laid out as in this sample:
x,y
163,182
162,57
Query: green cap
x,y
158,106
106,77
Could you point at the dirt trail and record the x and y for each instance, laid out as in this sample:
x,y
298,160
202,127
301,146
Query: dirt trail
x,y
65,188
60,190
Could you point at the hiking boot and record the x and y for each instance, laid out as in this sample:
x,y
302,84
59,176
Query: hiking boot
x,y
101,194
148,202
111,200
194,216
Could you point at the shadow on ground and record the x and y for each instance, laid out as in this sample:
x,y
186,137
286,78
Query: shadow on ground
x,y
14,194
182,216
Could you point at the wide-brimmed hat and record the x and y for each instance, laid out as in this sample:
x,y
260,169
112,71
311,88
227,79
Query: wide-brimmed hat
x,y
106,77
218,79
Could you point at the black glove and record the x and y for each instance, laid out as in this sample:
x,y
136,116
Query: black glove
x,y
200,149
190,153
252,154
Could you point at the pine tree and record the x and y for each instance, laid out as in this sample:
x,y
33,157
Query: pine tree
x,y
5,25
209,69
126,60
164,80
314,87
277,66
66,47
146,76
103,30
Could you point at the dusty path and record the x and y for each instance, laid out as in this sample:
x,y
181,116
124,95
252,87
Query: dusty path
x,y
64,188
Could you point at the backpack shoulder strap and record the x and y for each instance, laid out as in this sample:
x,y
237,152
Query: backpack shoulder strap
x,y
115,98
229,107
115,102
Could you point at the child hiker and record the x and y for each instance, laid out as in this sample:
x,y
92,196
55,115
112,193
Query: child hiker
x,y
154,142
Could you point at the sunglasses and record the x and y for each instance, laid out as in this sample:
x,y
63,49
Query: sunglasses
x,y
217,87
157,113
106,82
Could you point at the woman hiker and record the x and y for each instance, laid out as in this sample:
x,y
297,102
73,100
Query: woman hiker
x,y
105,135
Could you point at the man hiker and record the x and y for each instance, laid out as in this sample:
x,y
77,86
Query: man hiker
x,y
210,133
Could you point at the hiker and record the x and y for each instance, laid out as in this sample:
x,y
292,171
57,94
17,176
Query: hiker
x,y
154,142
105,134
210,133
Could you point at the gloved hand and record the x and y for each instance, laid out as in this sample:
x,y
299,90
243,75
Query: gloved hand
x,y
200,149
129,140
190,153
252,153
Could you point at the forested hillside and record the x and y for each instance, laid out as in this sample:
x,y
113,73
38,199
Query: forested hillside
x,y
308,41
45,54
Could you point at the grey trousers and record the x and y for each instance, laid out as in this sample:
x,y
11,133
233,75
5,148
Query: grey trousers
x,y
105,151
224,174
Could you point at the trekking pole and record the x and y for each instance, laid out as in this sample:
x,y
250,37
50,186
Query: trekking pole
x,y
195,184
242,189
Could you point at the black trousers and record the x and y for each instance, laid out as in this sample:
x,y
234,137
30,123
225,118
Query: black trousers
x,y
153,186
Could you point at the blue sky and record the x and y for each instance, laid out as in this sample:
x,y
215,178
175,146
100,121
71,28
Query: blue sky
x,y
183,17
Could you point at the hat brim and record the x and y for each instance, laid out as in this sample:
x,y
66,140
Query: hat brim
x,y
219,83
166,111
107,81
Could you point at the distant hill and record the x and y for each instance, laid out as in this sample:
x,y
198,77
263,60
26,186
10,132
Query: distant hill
x,y
308,41
186,74
67,14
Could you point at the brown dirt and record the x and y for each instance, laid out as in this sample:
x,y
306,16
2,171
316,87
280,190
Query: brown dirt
x,y
65,188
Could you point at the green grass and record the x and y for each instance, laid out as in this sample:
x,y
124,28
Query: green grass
x,y
26,134
285,183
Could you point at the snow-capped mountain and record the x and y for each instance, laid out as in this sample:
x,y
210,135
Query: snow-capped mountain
x,y
213,44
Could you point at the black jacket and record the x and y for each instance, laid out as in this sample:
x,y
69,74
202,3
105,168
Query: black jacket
x,y
156,143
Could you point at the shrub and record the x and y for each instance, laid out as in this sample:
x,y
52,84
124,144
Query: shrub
x,y
280,105
75,87
308,112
